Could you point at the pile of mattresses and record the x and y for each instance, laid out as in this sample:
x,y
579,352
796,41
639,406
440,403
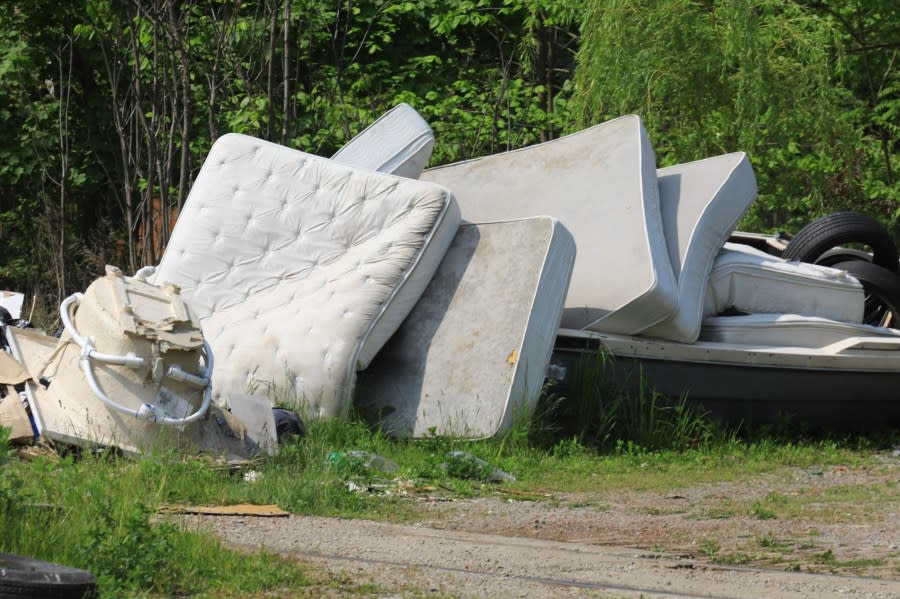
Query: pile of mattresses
x,y
657,284
430,299
286,275
653,258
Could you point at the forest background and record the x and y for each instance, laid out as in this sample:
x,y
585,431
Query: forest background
x,y
108,107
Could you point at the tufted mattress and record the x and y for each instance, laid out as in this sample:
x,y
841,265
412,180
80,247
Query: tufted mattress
x,y
601,184
300,268
749,280
785,330
701,203
472,355
399,142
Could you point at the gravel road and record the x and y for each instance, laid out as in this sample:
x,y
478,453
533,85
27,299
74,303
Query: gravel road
x,y
610,544
408,560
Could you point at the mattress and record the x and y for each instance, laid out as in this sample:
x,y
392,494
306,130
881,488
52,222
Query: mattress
x,y
399,142
701,203
300,268
472,355
785,330
749,280
601,184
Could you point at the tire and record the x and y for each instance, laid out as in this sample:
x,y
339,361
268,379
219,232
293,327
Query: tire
x,y
819,236
23,577
839,254
882,289
287,424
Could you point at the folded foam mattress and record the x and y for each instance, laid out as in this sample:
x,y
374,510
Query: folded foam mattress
x,y
300,268
472,355
749,280
701,203
601,184
785,330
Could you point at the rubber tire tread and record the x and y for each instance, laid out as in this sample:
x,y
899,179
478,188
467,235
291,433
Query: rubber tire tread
x,y
24,578
839,254
19,590
877,281
822,234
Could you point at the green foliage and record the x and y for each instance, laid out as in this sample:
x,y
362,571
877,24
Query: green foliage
x,y
96,513
766,77
107,109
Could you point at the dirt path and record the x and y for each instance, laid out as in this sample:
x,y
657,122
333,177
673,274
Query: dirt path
x,y
829,534
412,560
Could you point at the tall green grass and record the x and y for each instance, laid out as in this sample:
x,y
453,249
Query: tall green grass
x,y
97,512
608,408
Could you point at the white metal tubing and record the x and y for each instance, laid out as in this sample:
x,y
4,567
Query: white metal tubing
x,y
129,360
147,411
181,376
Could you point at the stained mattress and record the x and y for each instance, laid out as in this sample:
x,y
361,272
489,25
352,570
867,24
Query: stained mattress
x,y
749,280
472,355
300,268
601,184
785,330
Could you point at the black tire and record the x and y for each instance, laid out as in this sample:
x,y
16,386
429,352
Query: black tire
x,y
882,289
23,577
839,254
819,236
287,424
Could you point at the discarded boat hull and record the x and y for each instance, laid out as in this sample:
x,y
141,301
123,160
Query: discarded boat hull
x,y
131,370
850,385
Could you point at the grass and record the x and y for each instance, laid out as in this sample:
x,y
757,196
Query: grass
x,y
96,510
841,504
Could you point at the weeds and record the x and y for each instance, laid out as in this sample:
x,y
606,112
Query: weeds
x,y
610,405
761,512
97,513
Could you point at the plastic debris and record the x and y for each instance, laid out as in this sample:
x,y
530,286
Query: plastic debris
x,y
462,464
360,460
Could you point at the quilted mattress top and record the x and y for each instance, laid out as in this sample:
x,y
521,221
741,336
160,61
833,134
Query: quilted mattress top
x,y
293,263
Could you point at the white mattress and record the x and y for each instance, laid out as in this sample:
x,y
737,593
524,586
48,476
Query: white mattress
x,y
701,203
752,281
471,357
785,330
601,183
300,268
399,142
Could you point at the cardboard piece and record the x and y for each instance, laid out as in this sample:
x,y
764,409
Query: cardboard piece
x,y
241,509
11,372
14,416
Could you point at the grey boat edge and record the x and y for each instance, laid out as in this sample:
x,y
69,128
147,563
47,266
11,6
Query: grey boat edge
x,y
852,385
